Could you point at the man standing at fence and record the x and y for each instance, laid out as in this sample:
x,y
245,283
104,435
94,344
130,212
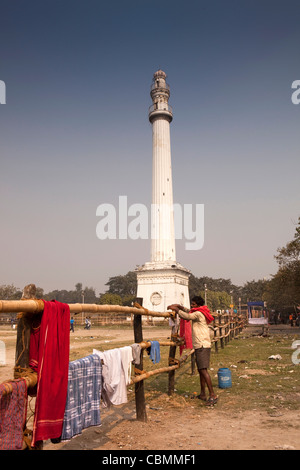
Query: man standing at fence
x,y
200,317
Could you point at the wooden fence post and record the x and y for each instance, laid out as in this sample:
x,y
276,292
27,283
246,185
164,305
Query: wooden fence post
x,y
139,387
23,330
216,329
193,364
221,331
23,342
172,354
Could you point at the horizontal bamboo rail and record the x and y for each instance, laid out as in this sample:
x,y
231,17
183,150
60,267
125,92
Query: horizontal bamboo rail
x,y
37,306
147,344
146,375
30,380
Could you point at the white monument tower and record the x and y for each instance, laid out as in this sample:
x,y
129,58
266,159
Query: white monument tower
x,y
162,281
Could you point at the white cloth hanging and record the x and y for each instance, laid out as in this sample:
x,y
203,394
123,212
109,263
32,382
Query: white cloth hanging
x,y
116,372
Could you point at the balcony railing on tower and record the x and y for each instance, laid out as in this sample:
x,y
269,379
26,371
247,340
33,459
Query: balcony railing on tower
x,y
156,86
160,107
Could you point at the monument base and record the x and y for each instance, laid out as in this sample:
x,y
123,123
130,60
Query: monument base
x,y
160,284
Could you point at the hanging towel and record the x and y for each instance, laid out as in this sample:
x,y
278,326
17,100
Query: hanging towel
x,y
13,411
136,353
174,322
185,332
126,360
83,398
49,356
114,387
155,352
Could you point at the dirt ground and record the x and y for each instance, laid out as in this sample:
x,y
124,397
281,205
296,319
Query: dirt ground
x,y
169,425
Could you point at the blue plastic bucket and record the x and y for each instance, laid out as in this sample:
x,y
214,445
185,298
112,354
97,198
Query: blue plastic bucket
x,y
224,377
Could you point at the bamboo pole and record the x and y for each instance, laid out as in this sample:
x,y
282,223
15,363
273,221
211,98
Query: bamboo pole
x,y
146,375
147,344
140,403
37,306
171,384
31,382
23,329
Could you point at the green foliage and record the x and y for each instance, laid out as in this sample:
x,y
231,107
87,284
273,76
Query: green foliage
x,y
216,300
290,254
123,285
10,292
110,299
197,284
79,295
254,290
283,291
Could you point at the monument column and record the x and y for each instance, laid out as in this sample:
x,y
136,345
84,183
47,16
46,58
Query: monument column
x,y
162,281
160,116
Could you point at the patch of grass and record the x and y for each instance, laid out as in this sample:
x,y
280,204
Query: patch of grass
x,y
257,381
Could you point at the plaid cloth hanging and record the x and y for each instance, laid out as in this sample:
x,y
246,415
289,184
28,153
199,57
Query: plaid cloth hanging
x,y
83,399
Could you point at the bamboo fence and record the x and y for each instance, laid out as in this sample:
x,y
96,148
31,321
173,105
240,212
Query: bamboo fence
x,y
224,328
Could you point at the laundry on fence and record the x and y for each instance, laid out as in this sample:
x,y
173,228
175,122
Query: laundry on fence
x,y
13,412
126,359
154,351
174,322
116,373
83,398
185,332
49,356
136,353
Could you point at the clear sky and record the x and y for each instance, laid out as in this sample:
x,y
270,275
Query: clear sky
x,y
74,132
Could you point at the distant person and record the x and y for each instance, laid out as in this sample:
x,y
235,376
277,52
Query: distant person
x,y
72,324
87,324
200,317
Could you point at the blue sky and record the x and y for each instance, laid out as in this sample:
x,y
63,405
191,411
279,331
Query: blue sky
x,y
74,132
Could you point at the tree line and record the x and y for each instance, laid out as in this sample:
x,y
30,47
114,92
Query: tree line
x,y
280,292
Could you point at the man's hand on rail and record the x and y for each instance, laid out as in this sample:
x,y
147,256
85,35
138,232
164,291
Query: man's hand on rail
x,y
175,307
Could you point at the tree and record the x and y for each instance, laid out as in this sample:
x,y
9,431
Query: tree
x,y
254,290
216,285
123,285
283,291
10,292
79,295
290,254
110,299
216,300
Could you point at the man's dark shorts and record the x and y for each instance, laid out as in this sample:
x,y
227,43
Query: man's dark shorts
x,y
202,358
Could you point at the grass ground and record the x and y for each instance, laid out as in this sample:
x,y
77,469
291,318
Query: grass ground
x,y
257,381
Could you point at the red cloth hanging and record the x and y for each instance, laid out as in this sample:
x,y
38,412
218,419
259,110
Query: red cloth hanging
x,y
49,356
185,331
